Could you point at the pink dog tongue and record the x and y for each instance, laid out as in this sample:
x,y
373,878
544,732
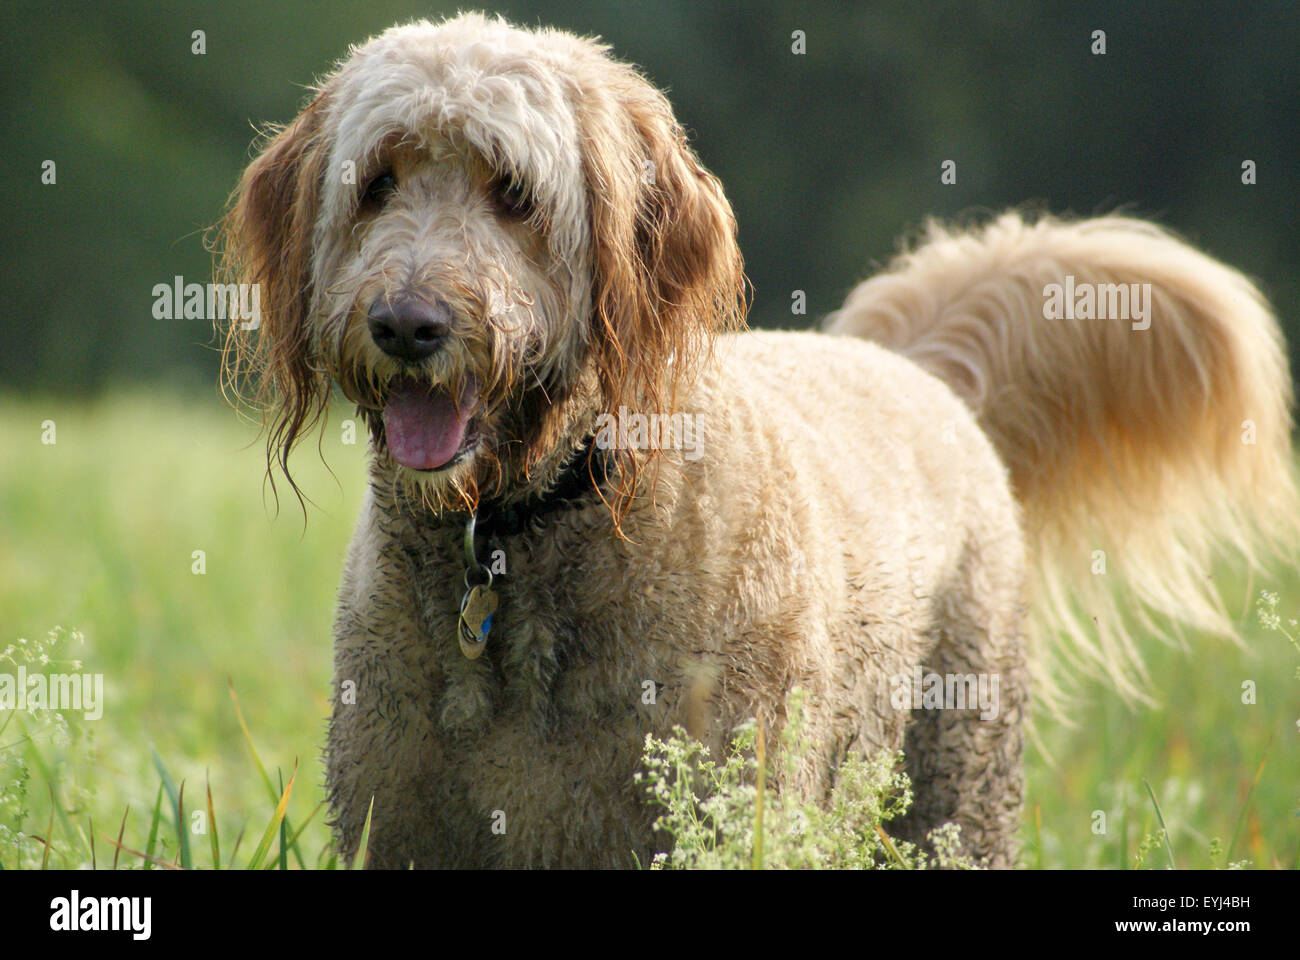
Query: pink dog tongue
x,y
425,427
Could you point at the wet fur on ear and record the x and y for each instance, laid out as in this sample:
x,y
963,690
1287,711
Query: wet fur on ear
x,y
667,271
265,238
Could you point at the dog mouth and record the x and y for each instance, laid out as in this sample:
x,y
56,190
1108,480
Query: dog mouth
x,y
428,427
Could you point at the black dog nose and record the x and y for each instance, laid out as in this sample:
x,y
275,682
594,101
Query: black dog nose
x,y
408,328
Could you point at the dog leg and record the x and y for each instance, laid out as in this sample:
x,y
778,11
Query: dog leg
x,y
963,747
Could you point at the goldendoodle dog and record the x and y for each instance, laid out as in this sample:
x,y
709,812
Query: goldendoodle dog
x,y
597,510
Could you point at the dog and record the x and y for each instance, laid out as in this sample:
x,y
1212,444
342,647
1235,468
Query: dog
x,y
598,509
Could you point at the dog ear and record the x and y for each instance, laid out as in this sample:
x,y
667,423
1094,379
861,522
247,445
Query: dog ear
x,y
667,271
265,239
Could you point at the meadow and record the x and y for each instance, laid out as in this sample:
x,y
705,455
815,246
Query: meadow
x,y
146,534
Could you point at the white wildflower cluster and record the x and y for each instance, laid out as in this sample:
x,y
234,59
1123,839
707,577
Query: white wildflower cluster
x,y
35,728
711,808
1269,619
1267,610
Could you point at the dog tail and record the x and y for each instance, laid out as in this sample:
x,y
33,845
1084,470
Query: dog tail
x,y
1139,395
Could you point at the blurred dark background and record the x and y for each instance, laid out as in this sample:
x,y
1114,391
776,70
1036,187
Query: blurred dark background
x,y
827,157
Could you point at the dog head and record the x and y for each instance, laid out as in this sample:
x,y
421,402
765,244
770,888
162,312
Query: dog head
x,y
486,237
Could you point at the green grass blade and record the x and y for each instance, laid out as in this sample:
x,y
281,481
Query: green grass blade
x,y
363,846
183,834
294,838
49,833
1245,803
120,833
152,861
212,827
248,739
1169,848
890,848
48,776
239,838
269,834
283,858
266,779
175,796
312,816
153,829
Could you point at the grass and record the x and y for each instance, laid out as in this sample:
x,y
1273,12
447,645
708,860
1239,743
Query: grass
x,y
100,534
216,683
1216,774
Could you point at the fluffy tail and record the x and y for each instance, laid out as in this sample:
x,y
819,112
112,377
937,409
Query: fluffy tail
x,y
1139,394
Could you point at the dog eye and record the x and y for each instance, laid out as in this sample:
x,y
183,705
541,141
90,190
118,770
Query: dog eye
x,y
513,198
379,190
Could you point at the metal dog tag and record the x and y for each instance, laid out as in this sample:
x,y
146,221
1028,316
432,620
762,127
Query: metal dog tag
x,y
476,610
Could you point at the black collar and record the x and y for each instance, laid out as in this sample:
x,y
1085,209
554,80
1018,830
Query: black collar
x,y
589,469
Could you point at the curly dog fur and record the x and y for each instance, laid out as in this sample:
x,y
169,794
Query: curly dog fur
x,y
494,240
